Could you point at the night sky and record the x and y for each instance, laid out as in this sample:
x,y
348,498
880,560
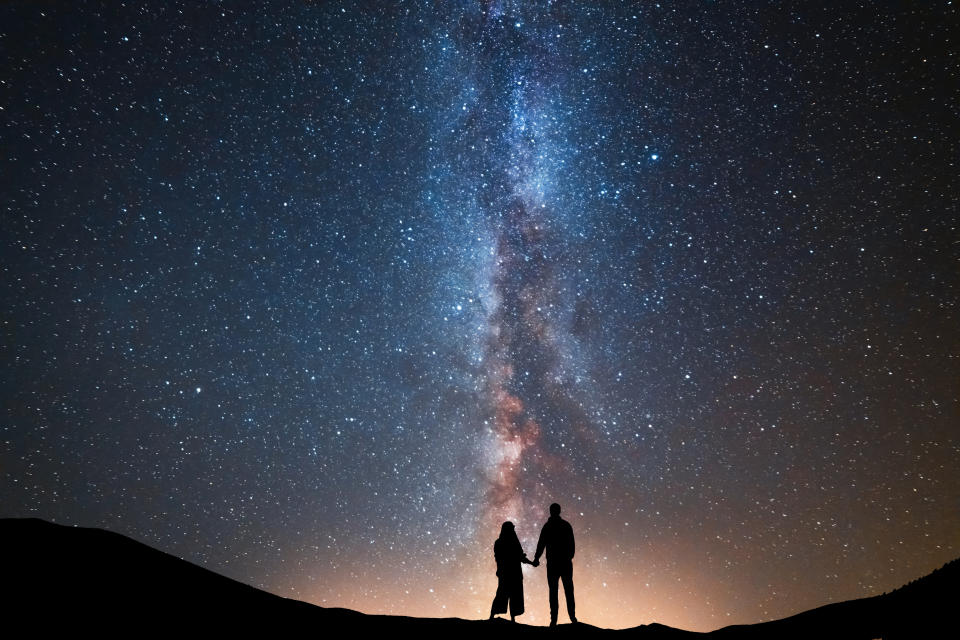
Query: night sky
x,y
317,294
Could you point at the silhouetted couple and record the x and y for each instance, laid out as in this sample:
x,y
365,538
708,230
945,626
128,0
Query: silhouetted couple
x,y
557,538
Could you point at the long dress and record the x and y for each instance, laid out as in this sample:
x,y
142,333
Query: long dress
x,y
509,555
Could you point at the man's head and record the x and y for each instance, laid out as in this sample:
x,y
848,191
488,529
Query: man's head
x,y
554,509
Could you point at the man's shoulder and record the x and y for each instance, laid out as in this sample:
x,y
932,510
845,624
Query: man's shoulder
x,y
557,523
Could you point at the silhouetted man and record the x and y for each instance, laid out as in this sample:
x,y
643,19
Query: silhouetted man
x,y
557,537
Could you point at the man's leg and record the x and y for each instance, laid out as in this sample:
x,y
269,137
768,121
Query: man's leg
x,y
553,578
568,594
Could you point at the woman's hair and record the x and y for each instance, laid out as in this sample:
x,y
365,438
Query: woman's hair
x,y
507,529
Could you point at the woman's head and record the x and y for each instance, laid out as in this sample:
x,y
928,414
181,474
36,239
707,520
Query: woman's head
x,y
506,529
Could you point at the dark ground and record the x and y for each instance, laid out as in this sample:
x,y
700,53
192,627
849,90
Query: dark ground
x,y
69,579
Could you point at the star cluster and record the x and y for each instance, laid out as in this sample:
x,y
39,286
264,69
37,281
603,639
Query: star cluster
x,y
316,294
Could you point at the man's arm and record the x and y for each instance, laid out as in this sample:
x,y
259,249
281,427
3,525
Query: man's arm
x,y
573,546
541,543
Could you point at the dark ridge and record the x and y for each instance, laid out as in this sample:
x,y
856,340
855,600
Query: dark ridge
x,y
73,579
99,580
916,610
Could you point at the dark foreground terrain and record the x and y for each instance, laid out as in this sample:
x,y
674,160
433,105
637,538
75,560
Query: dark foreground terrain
x,y
69,579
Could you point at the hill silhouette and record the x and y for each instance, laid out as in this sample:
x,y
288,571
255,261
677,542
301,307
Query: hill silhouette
x,y
916,610
59,578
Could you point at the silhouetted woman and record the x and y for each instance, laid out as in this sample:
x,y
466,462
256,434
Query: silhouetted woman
x,y
510,556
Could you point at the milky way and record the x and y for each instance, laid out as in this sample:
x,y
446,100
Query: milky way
x,y
527,390
317,294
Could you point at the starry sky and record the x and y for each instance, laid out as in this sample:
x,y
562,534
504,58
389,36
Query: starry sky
x,y
317,294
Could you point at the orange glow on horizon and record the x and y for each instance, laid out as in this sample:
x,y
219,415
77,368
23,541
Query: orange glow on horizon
x,y
681,600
